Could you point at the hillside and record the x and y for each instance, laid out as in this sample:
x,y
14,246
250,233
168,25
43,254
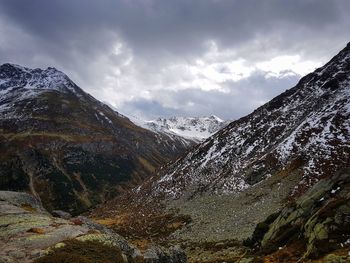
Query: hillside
x,y
274,179
66,147
306,127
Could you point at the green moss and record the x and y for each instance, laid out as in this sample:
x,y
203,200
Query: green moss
x,y
321,231
260,230
331,258
28,208
83,252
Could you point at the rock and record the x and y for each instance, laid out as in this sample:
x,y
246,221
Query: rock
x,y
29,232
36,230
177,255
315,217
136,254
331,258
61,214
246,260
151,255
157,254
21,200
7,260
17,254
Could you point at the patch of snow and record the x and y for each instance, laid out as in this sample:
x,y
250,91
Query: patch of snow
x,y
195,128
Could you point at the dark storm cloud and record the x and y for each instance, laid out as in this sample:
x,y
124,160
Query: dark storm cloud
x,y
173,26
118,49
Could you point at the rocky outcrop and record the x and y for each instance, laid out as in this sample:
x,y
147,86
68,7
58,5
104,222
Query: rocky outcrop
x,y
321,217
61,214
156,254
29,233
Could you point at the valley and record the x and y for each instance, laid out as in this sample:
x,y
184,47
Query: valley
x,y
272,186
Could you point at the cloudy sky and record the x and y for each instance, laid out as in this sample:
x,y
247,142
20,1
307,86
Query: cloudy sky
x,y
153,58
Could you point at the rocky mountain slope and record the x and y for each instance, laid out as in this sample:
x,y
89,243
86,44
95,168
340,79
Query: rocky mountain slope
x,y
269,179
306,127
67,148
194,129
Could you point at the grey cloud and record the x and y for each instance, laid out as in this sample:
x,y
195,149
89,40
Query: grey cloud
x,y
178,27
78,37
242,97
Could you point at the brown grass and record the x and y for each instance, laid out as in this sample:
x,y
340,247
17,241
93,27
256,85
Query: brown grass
x,y
36,230
83,252
28,208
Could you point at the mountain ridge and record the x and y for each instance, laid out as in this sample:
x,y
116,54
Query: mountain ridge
x,y
195,129
66,147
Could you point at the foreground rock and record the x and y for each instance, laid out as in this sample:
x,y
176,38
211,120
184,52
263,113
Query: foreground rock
x,y
320,218
29,233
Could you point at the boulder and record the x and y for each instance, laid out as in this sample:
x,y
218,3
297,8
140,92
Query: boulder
x,y
61,214
29,233
320,215
157,254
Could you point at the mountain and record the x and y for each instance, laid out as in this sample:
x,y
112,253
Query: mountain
x,y
274,179
196,129
192,129
66,147
305,128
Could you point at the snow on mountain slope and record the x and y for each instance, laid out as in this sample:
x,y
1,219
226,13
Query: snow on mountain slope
x,y
194,129
65,146
276,177
305,129
19,84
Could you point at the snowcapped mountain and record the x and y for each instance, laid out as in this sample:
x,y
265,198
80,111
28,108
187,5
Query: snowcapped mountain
x,y
68,148
193,129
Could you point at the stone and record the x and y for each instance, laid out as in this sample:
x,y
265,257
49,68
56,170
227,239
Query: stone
x,y
158,254
61,214
314,220
331,258
32,232
151,256
17,254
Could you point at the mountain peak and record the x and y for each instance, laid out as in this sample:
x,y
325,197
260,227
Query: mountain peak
x,y
34,80
192,128
214,117
348,46
10,69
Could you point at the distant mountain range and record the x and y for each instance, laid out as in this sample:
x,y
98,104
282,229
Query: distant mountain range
x,y
194,129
